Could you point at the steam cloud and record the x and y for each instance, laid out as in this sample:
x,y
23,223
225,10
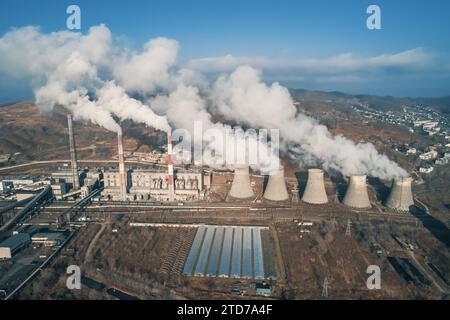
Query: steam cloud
x,y
93,76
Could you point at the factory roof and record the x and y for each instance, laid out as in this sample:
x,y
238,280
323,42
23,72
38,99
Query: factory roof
x,y
15,241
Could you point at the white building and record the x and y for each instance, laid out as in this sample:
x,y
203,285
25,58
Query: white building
x,y
13,244
429,155
426,169
153,185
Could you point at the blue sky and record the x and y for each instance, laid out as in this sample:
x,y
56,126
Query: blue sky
x,y
271,30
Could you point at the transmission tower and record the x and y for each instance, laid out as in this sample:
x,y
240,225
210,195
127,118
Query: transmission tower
x,y
348,231
325,288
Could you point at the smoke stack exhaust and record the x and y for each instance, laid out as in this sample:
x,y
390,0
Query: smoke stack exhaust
x,y
170,168
241,188
356,195
315,188
401,197
73,155
276,187
122,173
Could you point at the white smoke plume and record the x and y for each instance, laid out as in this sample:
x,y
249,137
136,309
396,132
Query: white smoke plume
x,y
243,96
65,69
94,76
113,98
149,70
185,106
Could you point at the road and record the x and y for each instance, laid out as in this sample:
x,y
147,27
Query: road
x,y
87,162
88,256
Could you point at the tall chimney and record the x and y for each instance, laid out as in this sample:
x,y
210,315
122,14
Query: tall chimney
x,y
122,173
276,186
73,155
170,167
401,197
315,188
241,188
356,195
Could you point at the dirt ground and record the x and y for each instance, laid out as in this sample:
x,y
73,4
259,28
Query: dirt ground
x,y
146,263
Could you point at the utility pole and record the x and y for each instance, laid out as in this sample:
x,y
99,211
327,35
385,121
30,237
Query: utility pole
x,y
325,288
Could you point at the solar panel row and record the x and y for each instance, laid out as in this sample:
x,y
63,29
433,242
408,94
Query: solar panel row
x,y
226,251
215,251
193,253
258,262
224,269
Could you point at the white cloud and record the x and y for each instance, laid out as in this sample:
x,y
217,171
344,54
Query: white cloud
x,y
346,67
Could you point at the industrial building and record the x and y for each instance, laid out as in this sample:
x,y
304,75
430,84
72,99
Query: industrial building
x,y
13,244
226,251
148,184
153,184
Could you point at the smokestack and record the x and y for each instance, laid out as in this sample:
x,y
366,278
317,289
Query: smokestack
x,y
276,187
356,195
315,188
401,197
73,155
170,167
241,188
122,173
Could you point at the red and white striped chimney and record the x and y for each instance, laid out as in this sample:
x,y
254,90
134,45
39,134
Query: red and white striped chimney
x,y
170,167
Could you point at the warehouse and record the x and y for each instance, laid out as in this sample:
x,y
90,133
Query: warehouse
x,y
226,251
13,244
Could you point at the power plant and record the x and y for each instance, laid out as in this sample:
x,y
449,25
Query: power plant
x,y
400,198
276,187
241,188
356,195
315,188
73,155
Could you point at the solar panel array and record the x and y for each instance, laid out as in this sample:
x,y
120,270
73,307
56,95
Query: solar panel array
x,y
226,251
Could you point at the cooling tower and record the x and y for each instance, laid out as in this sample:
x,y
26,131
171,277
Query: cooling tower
x,y
276,187
73,155
356,195
241,188
315,188
401,197
122,173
